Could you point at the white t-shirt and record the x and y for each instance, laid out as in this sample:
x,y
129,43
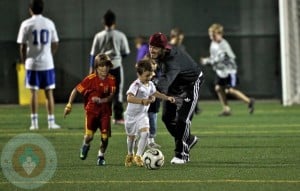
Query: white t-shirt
x,y
220,55
112,43
38,32
140,91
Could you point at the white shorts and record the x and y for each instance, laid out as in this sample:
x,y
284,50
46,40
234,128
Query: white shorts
x,y
134,123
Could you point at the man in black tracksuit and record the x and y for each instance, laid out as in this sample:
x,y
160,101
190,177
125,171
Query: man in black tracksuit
x,y
181,77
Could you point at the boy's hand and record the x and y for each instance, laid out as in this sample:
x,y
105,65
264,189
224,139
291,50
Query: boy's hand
x,y
146,102
152,98
171,99
96,99
67,110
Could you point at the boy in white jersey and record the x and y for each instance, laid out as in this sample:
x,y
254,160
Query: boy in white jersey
x,y
222,59
38,41
140,94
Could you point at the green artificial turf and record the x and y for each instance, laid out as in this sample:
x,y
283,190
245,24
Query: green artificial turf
x,y
240,152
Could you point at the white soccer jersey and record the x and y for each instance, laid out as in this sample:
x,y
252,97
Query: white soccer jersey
x,y
140,91
112,43
38,32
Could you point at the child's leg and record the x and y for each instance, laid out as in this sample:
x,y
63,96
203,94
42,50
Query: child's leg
x,y
88,137
144,133
103,144
85,146
130,144
222,97
105,130
238,94
130,148
153,126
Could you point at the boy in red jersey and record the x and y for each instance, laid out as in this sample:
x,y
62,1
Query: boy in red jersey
x,y
98,90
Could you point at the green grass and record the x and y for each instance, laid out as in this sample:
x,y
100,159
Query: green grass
x,y
240,152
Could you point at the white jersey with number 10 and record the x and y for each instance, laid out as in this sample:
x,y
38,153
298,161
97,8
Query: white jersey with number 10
x,y
38,32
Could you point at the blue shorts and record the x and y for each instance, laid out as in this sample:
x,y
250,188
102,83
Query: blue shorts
x,y
40,79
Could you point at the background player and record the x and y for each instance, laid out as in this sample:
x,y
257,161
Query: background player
x,y
222,58
98,90
113,43
38,41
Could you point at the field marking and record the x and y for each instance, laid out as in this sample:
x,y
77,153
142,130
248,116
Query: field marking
x,y
245,132
294,125
167,181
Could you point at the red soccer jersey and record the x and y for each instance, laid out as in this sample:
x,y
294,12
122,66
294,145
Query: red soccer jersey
x,y
92,86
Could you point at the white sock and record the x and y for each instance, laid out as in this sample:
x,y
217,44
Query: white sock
x,y
150,140
34,119
51,120
130,145
100,154
142,142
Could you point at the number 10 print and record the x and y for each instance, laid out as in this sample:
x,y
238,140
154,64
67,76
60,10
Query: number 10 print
x,y
40,37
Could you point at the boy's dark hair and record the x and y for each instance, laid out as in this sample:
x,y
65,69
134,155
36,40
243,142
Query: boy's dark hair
x,y
102,60
144,66
109,18
36,6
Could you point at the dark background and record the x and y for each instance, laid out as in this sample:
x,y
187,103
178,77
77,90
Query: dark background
x,y
251,27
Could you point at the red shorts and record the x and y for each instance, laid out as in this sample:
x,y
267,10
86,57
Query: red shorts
x,y
94,122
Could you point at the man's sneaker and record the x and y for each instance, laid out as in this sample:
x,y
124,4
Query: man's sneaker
x,y
193,141
32,128
128,160
118,121
251,106
153,145
101,161
84,151
138,160
224,114
54,126
176,160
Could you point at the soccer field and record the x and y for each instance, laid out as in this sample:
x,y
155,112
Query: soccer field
x,y
240,152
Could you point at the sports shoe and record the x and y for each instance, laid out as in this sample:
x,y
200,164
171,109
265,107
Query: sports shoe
x,y
138,160
118,121
224,114
153,145
54,126
32,128
176,160
193,141
84,151
128,160
251,106
101,161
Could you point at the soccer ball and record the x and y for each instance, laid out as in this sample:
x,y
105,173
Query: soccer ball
x,y
153,159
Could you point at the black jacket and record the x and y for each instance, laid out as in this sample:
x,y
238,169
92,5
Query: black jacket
x,y
178,72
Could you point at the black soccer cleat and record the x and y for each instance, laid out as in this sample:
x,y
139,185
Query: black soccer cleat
x,y
101,161
251,106
84,151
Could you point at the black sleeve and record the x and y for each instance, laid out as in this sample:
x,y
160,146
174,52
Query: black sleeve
x,y
169,73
